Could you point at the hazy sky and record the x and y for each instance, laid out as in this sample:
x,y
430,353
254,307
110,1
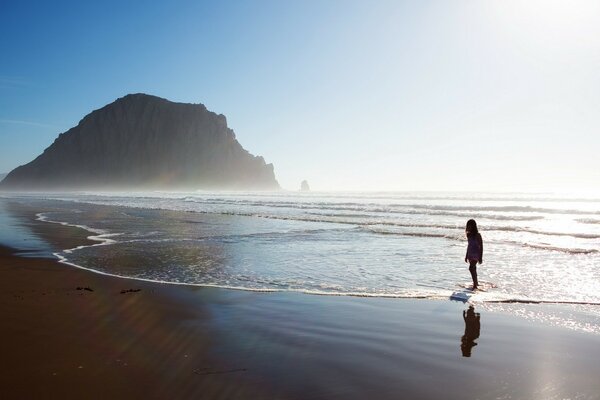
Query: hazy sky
x,y
414,95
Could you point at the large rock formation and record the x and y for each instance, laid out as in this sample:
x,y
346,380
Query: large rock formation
x,y
145,142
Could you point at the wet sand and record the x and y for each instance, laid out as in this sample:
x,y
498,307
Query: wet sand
x,y
69,333
165,341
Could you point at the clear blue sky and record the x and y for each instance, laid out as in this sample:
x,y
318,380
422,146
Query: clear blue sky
x,y
389,95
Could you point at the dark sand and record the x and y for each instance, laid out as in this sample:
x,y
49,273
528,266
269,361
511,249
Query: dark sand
x,y
61,342
167,341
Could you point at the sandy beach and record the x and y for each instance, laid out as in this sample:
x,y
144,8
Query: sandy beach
x,y
71,333
176,342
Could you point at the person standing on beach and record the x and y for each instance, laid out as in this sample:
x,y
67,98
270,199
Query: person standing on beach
x,y
474,250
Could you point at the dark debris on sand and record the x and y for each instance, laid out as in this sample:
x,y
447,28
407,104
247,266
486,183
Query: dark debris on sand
x,y
130,291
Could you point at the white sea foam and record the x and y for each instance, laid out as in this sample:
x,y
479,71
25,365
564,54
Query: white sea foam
x,y
441,294
99,235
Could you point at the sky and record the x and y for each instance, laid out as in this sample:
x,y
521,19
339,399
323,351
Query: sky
x,y
350,95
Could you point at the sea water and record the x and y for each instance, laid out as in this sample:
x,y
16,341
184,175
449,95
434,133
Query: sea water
x,y
537,247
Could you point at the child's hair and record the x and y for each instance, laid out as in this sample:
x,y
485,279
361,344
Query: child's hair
x,y
471,227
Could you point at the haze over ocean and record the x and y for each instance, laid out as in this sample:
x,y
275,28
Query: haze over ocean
x,y
475,96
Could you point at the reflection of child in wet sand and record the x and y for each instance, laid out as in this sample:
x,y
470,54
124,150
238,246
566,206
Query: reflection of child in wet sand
x,y
472,330
474,250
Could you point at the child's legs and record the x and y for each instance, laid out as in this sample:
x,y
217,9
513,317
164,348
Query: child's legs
x,y
473,271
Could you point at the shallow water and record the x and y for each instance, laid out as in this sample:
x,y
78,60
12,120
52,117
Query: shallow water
x,y
536,247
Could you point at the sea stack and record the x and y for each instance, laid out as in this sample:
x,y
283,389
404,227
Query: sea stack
x,y
304,186
143,142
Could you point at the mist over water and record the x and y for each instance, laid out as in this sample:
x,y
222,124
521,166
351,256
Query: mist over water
x,y
536,248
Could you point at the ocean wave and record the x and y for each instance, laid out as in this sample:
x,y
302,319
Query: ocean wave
x,y
396,196
522,209
332,210
539,232
560,249
374,227
389,207
303,217
543,301
487,229
342,215
569,250
588,221
413,234
474,215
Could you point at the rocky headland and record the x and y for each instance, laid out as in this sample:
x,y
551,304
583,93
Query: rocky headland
x,y
145,142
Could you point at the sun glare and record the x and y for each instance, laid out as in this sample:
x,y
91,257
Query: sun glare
x,y
555,11
562,20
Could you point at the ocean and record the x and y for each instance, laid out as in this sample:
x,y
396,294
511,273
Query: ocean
x,y
538,248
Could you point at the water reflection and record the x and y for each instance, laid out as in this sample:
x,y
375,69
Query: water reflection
x,y
472,330
16,232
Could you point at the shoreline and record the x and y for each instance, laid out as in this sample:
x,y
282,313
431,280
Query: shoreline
x,y
97,237
167,341
139,339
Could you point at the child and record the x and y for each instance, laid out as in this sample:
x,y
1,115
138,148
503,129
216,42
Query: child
x,y
474,250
